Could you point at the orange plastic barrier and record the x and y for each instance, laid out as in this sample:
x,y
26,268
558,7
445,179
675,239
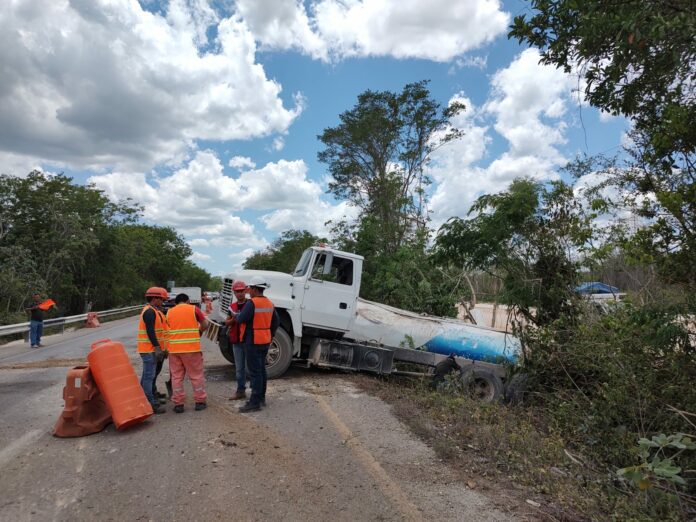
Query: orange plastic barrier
x,y
85,411
118,383
92,320
46,305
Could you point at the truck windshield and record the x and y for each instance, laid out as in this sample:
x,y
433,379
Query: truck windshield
x,y
303,264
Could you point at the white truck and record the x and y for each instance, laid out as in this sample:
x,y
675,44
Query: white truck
x,y
194,293
325,323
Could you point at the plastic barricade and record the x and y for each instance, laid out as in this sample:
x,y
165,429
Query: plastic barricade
x,y
85,411
118,383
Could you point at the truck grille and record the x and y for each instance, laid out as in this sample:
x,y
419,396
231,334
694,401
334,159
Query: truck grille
x,y
226,295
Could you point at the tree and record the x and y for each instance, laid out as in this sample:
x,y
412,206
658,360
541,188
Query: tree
x,y
638,59
193,275
284,253
377,156
70,242
529,237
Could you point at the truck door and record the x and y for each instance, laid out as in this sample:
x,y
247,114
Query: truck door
x,y
329,297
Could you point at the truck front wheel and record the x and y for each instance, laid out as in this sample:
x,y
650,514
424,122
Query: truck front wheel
x,y
279,354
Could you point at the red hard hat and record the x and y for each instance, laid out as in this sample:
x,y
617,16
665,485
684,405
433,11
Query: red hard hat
x,y
163,293
239,285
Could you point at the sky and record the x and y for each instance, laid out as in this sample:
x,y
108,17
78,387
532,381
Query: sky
x,y
206,112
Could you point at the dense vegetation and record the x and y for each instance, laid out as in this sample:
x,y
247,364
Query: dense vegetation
x,y
70,243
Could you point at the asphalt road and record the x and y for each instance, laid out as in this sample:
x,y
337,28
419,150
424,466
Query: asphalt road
x,y
321,450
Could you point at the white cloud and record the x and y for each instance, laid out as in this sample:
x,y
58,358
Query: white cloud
x,y
241,162
282,24
199,199
312,218
527,105
278,144
104,83
435,30
198,256
477,62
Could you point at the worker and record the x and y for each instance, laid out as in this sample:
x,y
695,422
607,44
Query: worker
x,y
186,324
162,397
152,342
240,290
36,321
258,322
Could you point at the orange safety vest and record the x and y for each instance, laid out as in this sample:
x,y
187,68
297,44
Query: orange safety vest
x,y
263,315
161,332
184,334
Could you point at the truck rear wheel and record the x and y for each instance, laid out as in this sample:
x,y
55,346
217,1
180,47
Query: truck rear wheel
x,y
482,384
279,354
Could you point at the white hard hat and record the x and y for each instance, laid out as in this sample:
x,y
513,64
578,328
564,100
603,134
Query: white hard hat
x,y
259,282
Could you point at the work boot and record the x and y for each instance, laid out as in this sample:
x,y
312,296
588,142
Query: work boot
x,y
161,395
249,407
179,408
238,395
162,401
200,406
158,409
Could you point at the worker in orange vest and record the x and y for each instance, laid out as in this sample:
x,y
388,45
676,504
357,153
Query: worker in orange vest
x,y
186,324
152,342
258,322
240,289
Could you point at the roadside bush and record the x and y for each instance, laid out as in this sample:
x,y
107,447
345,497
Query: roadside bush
x,y
608,381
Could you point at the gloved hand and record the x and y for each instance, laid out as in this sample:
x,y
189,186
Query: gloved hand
x,y
159,354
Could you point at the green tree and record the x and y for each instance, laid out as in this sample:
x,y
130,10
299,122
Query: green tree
x,y
193,275
215,284
529,237
284,253
71,243
638,59
377,156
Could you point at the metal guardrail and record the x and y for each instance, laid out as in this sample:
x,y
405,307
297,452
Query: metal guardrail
x,y
60,321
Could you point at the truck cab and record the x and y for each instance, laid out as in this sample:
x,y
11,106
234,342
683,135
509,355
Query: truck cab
x,y
318,299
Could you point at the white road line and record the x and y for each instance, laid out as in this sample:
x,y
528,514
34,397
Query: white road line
x,y
14,447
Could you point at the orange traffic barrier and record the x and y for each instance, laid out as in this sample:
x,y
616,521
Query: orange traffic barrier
x,y
85,411
46,305
118,383
92,320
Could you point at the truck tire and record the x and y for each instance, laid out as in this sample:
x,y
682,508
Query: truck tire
x,y
279,354
442,370
225,345
482,384
516,389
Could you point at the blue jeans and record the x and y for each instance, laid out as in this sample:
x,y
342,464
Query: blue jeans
x,y
35,332
240,366
147,380
256,363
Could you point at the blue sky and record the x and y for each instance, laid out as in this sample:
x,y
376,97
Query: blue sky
x,y
207,112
